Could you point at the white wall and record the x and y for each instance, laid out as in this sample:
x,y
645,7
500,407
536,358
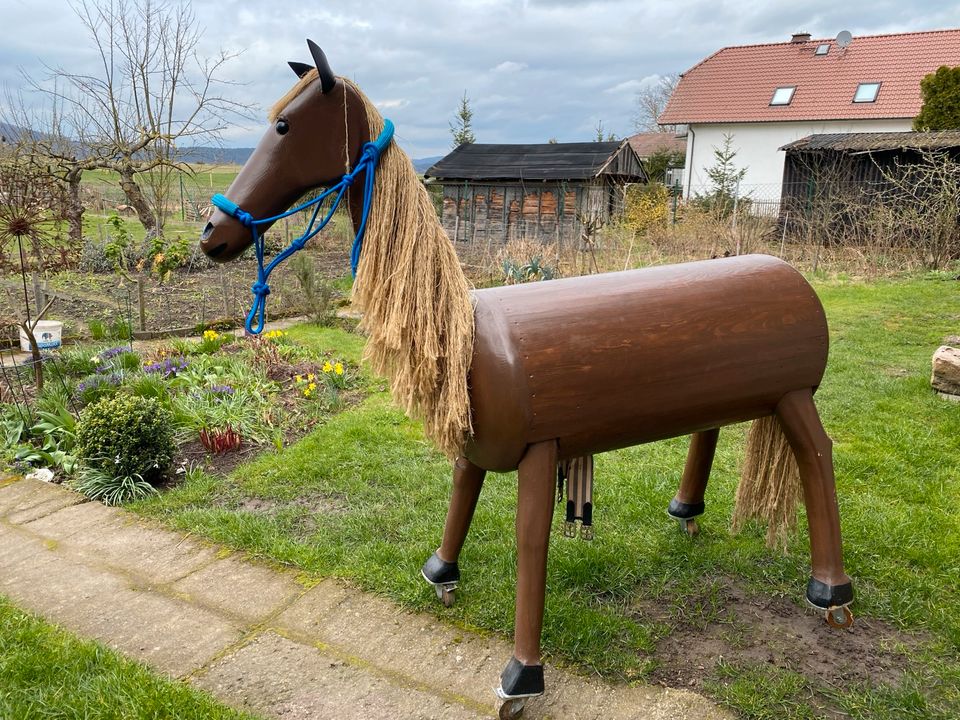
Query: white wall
x,y
758,150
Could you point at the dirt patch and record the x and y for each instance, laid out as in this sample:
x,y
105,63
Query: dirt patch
x,y
724,622
203,296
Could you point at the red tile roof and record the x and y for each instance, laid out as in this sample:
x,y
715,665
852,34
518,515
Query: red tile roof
x,y
735,84
646,144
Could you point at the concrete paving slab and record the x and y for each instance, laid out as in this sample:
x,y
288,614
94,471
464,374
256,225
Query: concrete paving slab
x,y
71,520
118,538
24,500
168,634
285,679
158,556
241,588
465,664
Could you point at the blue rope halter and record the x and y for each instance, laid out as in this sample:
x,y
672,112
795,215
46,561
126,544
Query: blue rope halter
x,y
367,163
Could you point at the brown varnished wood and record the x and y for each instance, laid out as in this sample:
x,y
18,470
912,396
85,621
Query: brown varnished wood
x,y
696,471
814,452
609,361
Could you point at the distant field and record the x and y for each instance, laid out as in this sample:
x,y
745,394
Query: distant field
x,y
209,177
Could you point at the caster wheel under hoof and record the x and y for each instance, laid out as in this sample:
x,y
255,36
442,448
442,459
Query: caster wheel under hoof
x,y
446,594
839,617
510,709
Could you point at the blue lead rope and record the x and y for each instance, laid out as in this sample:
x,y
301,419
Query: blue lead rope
x,y
367,163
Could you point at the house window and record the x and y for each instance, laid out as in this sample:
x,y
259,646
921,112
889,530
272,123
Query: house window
x,y
822,49
783,95
866,92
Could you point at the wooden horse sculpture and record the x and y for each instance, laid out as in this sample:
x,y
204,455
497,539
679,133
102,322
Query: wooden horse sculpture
x,y
556,369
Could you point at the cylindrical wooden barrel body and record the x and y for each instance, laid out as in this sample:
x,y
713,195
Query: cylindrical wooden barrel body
x,y
608,361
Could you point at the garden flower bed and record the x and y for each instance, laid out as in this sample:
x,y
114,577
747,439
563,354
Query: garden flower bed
x,y
103,413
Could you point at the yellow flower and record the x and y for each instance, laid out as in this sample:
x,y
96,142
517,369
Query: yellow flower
x,y
306,392
299,378
210,334
312,386
338,368
310,377
327,367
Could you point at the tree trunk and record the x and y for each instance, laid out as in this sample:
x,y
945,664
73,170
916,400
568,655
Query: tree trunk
x,y
137,201
74,210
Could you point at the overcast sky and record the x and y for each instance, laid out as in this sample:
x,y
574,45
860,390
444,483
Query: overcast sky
x,y
532,69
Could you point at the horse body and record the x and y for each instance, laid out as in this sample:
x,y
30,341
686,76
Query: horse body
x,y
560,368
608,361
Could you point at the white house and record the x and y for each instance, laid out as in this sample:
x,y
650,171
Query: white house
x,y
767,96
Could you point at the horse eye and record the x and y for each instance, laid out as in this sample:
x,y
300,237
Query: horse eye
x,y
282,127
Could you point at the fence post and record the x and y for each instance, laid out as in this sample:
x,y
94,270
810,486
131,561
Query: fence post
x,y
183,212
736,202
141,304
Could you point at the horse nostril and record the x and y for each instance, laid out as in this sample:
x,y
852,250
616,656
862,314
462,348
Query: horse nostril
x,y
208,228
213,252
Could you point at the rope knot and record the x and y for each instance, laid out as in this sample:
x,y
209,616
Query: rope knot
x,y
260,289
245,218
347,180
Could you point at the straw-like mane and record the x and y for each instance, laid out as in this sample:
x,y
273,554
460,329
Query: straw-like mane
x,y
416,305
416,301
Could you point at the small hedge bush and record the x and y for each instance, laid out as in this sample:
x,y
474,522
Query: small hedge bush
x,y
126,435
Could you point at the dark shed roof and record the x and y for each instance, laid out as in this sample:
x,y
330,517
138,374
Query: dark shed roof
x,y
876,142
549,161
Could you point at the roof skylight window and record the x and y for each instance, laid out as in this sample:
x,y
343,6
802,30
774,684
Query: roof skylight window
x,y
783,95
866,92
822,49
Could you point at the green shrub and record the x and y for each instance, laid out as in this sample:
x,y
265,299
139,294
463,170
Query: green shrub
x,y
126,435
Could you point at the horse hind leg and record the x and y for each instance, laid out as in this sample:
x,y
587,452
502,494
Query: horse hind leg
x,y
829,588
523,676
688,502
442,569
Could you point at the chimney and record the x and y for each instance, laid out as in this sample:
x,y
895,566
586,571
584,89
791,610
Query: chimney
x,y
801,37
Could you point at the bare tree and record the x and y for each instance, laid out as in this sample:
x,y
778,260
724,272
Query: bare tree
x,y
152,90
652,101
52,141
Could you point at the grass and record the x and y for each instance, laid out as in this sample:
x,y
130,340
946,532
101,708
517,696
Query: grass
x,y
364,498
47,673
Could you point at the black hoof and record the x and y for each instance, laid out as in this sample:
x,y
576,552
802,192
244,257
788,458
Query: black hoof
x,y
684,511
440,572
825,596
519,681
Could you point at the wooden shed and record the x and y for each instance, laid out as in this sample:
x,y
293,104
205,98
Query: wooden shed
x,y
861,162
543,193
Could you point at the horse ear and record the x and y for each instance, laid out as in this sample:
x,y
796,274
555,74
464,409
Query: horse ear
x,y
299,68
327,78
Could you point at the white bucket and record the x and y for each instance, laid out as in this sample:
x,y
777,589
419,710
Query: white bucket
x,y
47,334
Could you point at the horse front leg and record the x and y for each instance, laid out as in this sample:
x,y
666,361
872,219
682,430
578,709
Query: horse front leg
x,y
829,588
442,569
523,676
688,502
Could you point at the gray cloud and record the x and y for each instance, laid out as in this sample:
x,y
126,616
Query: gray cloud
x,y
533,69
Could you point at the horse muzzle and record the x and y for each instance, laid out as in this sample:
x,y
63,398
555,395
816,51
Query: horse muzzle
x,y
224,238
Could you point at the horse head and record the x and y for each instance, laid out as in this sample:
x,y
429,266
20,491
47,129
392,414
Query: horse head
x,y
318,131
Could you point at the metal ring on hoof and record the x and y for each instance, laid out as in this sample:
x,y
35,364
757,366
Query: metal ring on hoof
x,y
689,527
446,593
839,617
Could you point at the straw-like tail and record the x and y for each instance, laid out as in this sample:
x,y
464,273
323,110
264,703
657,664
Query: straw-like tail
x,y
769,488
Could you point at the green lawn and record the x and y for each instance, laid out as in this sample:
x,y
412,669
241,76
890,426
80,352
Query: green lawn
x,y
382,491
47,673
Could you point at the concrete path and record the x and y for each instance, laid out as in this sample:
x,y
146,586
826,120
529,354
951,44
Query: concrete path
x,y
258,639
